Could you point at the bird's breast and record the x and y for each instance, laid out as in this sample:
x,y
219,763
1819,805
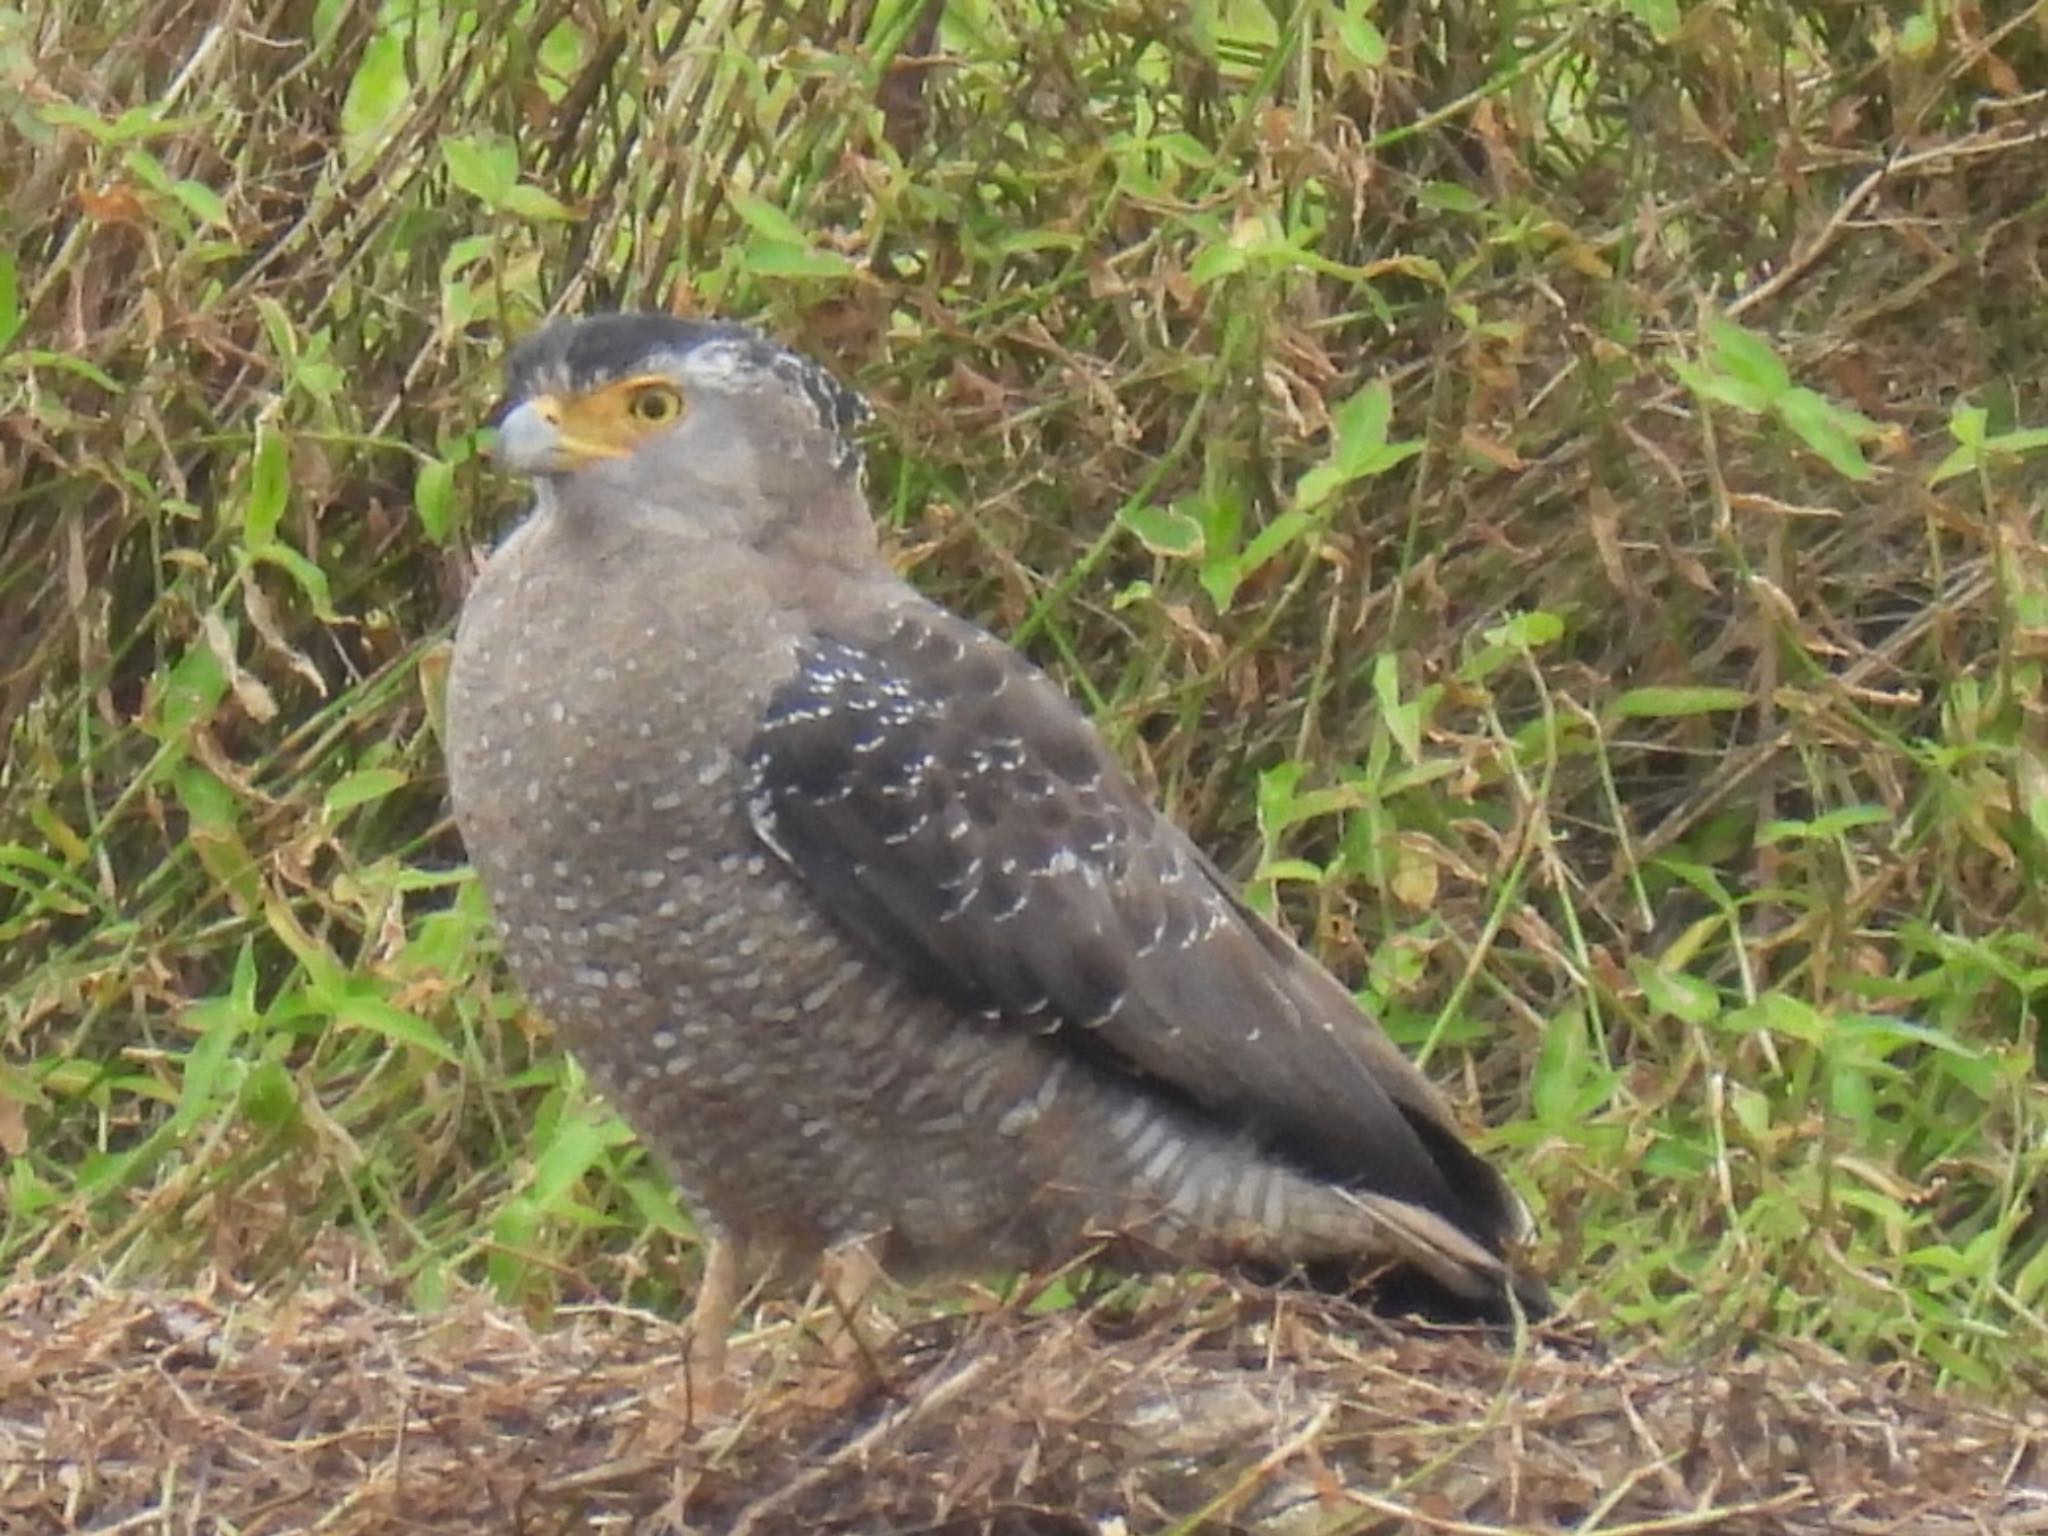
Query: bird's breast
x,y
607,677
598,705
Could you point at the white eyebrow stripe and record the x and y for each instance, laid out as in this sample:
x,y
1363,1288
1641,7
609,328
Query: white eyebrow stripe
x,y
722,363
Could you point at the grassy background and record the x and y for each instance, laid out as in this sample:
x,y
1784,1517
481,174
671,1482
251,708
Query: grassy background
x,y
1551,493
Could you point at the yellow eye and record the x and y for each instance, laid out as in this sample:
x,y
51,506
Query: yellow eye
x,y
655,405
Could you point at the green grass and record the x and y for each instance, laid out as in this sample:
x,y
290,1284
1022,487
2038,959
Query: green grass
x,y
1535,501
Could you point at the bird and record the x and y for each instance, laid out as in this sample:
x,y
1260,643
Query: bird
x,y
850,910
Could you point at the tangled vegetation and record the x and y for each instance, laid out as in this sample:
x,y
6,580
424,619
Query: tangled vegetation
x,y
1551,493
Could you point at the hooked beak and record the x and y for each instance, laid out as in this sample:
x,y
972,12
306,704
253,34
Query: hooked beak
x,y
532,440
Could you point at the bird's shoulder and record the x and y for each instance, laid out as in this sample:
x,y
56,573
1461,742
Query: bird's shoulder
x,y
946,797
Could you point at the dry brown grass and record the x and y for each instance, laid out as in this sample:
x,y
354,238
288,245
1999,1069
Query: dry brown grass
x,y
337,1411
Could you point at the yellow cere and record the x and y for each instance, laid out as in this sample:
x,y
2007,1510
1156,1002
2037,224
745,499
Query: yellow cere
x,y
609,423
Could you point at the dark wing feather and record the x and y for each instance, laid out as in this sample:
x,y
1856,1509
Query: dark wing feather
x,y
947,804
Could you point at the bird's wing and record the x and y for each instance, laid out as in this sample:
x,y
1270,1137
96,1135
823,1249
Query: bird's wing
x,y
946,803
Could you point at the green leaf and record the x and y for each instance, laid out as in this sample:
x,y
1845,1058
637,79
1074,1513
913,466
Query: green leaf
x,y
776,258
530,202
1318,486
1401,718
1674,992
1746,356
1829,430
1273,538
1709,385
209,805
1358,446
576,1146
64,114
279,328
1449,197
203,203
1275,797
1184,148
377,95
1506,642
765,219
242,985
1677,701
207,1066
512,1236
213,831
132,126
1363,45
10,298
1289,869
1164,531
1781,1014
1967,423
562,50
1360,423
393,1023
269,488
2027,440
433,498
1570,1082
69,363
190,693
655,1203
1917,37
360,788
1960,461
1660,17
328,15
1215,261
1832,824
270,1096
308,577
1220,578
1752,1110
1529,631
484,166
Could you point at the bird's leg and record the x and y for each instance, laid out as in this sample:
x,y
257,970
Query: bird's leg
x,y
711,1319
849,1274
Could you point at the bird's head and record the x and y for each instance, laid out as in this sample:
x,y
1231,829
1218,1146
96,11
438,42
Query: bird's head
x,y
707,422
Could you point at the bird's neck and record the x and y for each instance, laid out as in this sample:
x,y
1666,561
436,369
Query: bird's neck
x,y
835,530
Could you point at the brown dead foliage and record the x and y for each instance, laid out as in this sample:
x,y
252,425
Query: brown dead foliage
x,y
333,1409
